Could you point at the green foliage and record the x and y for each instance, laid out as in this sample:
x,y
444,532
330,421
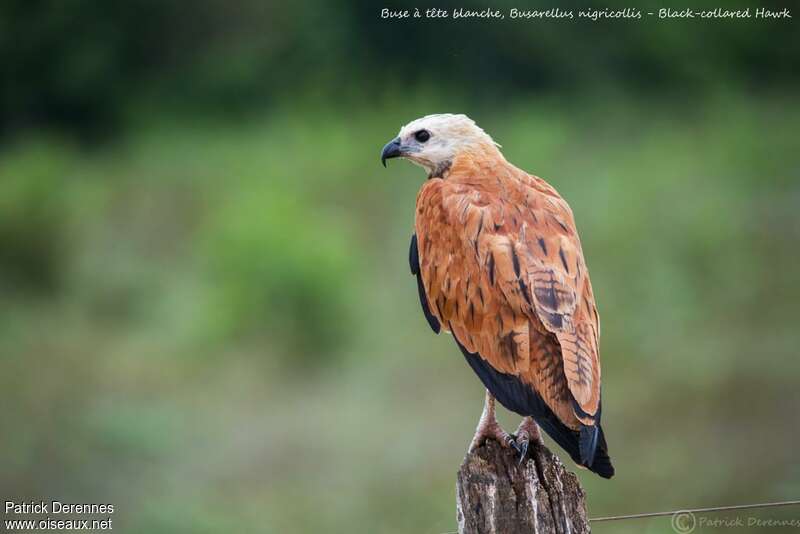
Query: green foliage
x,y
34,190
90,67
280,268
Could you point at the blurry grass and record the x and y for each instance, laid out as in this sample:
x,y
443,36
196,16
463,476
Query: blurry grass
x,y
213,325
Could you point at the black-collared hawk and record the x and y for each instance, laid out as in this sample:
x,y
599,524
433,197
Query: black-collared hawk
x,y
499,264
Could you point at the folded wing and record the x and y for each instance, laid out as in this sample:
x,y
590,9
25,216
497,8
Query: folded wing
x,y
500,266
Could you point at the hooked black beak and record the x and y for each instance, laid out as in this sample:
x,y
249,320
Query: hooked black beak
x,y
391,150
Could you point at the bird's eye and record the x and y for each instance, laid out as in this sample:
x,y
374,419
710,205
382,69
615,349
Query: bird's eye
x,y
422,136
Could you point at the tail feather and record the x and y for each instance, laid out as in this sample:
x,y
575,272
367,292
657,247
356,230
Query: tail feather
x,y
599,461
587,443
574,444
602,464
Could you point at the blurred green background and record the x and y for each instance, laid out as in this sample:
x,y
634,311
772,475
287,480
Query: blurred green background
x,y
206,313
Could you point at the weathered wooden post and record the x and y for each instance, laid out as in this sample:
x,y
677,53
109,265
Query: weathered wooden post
x,y
496,494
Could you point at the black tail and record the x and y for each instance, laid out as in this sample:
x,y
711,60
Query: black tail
x,y
594,451
602,464
587,447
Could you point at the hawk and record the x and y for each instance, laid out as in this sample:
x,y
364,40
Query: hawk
x,y
499,265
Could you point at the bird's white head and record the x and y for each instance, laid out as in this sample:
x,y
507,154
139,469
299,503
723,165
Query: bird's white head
x,y
434,141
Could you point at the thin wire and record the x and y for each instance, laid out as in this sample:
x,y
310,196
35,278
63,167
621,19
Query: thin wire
x,y
689,511
696,511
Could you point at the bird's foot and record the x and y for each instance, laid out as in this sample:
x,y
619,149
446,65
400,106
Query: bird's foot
x,y
492,430
527,432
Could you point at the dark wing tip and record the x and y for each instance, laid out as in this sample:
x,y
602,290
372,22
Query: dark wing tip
x,y
588,444
594,451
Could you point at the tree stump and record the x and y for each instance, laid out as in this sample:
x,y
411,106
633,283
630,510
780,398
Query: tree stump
x,y
496,494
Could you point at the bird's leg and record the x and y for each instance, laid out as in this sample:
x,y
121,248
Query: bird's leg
x,y
526,432
488,427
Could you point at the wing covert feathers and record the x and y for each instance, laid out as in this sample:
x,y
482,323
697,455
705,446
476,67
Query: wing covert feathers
x,y
501,267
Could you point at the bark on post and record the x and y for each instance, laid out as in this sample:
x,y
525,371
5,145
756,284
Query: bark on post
x,y
496,495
